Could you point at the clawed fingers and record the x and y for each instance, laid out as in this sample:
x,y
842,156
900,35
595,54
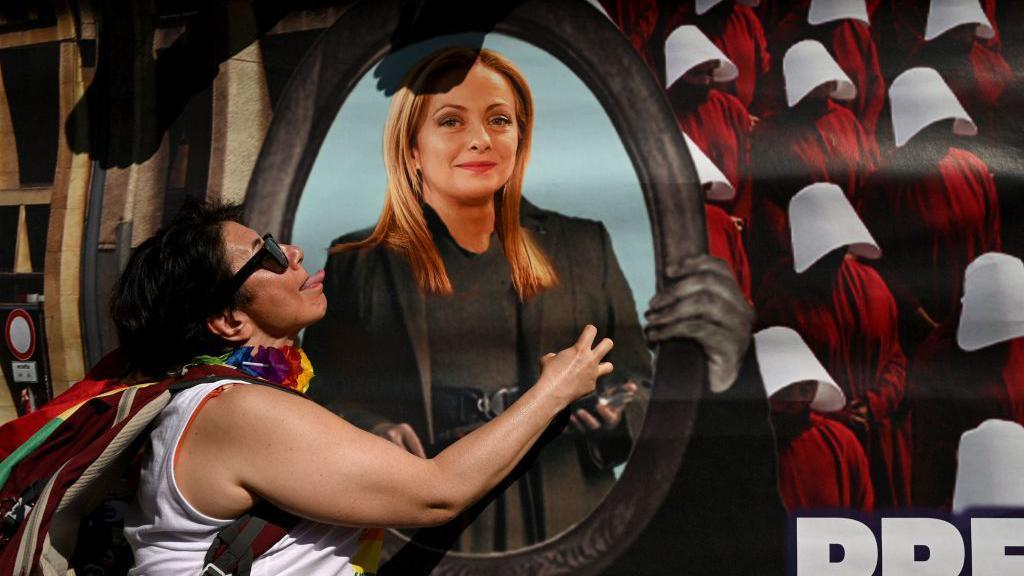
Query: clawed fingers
x,y
701,307
709,279
696,264
722,372
723,346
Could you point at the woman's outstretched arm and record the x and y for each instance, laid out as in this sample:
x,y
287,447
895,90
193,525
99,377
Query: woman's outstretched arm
x,y
255,442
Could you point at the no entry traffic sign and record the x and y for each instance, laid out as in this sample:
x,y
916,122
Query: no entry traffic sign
x,y
20,334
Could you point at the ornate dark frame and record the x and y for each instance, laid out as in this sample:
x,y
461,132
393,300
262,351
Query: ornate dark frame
x,y
591,46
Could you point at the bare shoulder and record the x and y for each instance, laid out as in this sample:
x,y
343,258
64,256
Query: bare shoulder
x,y
235,437
243,410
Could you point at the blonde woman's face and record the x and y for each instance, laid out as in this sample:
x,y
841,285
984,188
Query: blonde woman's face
x,y
466,144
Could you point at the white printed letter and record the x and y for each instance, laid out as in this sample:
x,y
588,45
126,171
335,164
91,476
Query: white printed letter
x,y
942,540
989,540
814,538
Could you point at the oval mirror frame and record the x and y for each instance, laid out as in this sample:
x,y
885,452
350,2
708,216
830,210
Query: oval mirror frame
x,y
592,47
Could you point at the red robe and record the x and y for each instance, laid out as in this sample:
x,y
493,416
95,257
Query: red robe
x,y
901,26
824,467
952,391
771,12
931,221
983,88
790,151
737,32
1010,41
978,75
638,21
849,320
850,43
830,146
854,50
720,126
725,242
898,29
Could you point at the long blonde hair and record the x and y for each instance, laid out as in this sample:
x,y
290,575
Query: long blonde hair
x,y
402,225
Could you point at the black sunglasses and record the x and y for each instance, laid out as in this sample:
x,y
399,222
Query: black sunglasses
x,y
270,256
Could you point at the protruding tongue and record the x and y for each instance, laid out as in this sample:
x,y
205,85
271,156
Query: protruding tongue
x,y
313,281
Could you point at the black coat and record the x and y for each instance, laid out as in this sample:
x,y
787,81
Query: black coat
x,y
372,358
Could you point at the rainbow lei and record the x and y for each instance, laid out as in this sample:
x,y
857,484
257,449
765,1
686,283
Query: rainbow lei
x,y
286,366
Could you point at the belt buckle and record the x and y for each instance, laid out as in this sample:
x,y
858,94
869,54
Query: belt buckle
x,y
495,403
483,404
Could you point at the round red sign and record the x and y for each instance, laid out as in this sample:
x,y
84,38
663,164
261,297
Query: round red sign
x,y
20,333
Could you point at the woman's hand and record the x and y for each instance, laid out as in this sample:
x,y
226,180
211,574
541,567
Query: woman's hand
x,y
856,417
924,319
703,302
401,435
608,409
573,372
283,442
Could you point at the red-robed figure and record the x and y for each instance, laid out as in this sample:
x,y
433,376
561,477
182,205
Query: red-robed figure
x,y
821,463
968,372
958,38
771,12
933,206
814,140
734,27
725,239
717,122
639,22
844,29
964,49
846,314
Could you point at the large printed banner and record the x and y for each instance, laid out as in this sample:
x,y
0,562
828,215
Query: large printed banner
x,y
479,181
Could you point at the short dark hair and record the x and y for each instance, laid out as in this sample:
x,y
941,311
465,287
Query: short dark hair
x,y
172,284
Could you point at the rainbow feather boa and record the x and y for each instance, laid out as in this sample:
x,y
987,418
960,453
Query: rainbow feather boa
x,y
286,366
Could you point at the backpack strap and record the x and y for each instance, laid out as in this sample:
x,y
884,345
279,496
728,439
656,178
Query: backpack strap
x,y
10,521
236,546
211,373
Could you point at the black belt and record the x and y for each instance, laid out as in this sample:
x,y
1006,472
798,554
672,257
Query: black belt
x,y
459,410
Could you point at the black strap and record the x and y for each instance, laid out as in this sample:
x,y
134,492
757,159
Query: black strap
x,y
20,508
235,547
186,383
238,539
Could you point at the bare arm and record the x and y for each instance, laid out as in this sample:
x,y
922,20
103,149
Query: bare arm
x,y
255,442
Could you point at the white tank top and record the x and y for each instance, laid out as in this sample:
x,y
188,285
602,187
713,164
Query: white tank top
x,y
170,537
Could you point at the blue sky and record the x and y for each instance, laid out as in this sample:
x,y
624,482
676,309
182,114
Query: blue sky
x,y
578,167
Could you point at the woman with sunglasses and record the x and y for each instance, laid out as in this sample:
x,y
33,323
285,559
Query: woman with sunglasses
x,y
208,290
